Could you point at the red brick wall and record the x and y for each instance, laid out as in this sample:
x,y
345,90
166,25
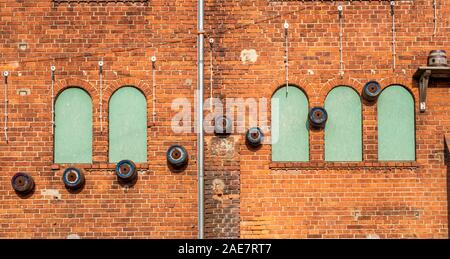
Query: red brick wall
x,y
259,198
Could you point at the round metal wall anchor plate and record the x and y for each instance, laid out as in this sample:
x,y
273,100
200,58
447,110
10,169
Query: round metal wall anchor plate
x,y
371,90
22,183
222,125
126,170
255,136
73,178
318,117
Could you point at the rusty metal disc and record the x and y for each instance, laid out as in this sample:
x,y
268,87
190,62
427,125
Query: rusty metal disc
x,y
371,90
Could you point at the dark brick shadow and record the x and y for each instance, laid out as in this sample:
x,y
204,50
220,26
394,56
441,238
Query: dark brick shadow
x,y
368,103
26,195
75,191
251,147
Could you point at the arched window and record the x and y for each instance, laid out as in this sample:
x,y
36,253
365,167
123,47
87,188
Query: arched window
x,y
396,126
343,137
73,127
128,125
290,133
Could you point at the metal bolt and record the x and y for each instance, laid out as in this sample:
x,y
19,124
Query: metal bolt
x,y
53,68
100,63
340,8
211,40
5,73
153,58
286,25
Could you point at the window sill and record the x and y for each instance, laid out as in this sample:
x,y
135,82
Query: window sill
x,y
343,165
96,166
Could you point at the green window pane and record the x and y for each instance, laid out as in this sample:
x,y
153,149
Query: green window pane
x,y
128,125
343,138
73,127
290,133
396,133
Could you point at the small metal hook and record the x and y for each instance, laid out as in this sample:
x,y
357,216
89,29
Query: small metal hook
x,y
6,74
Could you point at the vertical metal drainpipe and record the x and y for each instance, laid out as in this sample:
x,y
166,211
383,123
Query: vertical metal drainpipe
x,y
200,66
